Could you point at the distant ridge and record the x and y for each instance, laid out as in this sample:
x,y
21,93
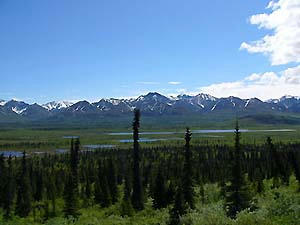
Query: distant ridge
x,y
152,103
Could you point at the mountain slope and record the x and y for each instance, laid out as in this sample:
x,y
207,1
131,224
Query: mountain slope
x,y
151,104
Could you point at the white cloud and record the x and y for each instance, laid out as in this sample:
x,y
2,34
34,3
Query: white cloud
x,y
264,86
174,82
283,44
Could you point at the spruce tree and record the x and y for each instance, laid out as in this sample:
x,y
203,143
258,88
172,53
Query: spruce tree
x,y
137,192
23,204
112,181
170,193
179,208
51,192
70,198
102,193
275,161
8,190
188,189
159,192
295,160
71,186
2,179
126,208
88,190
237,194
39,184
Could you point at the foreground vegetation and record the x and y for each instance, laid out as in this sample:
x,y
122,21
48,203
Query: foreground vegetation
x,y
277,206
204,183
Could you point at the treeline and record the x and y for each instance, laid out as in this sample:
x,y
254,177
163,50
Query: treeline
x,y
36,185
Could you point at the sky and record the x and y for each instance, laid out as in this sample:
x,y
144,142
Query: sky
x,y
91,49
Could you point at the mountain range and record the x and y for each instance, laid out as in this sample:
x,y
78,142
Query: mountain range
x,y
151,104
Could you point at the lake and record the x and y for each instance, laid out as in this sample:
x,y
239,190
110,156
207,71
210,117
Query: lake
x,y
11,153
149,140
199,132
98,146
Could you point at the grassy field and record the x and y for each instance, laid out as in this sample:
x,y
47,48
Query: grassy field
x,y
43,139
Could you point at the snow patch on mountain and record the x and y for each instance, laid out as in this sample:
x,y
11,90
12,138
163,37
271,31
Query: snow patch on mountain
x,y
247,103
57,105
18,111
2,102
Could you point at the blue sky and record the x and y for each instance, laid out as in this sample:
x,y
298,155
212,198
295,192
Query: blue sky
x,y
75,49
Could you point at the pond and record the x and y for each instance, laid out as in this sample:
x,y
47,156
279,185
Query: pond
x,y
98,146
11,153
70,137
149,140
61,151
200,132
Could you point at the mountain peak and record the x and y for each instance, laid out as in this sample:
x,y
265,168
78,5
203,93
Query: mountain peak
x,y
2,102
57,105
152,103
206,97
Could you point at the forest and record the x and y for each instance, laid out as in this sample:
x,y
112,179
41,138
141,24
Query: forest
x,y
195,184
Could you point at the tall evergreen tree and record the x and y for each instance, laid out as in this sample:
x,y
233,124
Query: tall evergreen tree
x,y
23,204
88,188
275,161
71,186
70,198
160,192
188,189
39,185
74,163
102,193
237,196
112,181
9,190
2,179
50,192
170,193
126,206
137,192
179,207
295,160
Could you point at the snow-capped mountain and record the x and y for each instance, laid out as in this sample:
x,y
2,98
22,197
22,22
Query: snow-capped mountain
x,y
2,102
152,103
15,106
287,103
57,105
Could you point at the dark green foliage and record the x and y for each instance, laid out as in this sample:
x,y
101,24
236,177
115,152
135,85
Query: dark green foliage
x,y
112,182
137,189
294,157
237,196
71,185
3,174
170,193
70,198
188,189
102,192
126,208
202,194
23,204
9,190
260,182
179,207
160,193
51,193
167,174
38,184
87,190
